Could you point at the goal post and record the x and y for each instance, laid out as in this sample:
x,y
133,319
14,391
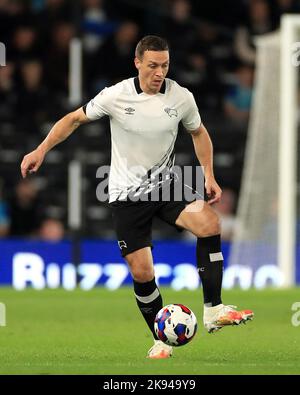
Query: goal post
x,y
287,207
264,240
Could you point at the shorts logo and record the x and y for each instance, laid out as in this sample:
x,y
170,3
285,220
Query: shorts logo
x,y
122,244
129,111
171,112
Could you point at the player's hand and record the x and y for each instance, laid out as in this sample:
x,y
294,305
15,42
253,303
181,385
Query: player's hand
x,y
213,190
31,162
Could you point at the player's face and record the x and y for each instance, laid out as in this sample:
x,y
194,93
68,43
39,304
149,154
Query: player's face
x,y
153,68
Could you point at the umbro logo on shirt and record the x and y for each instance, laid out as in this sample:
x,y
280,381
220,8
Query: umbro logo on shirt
x,y
171,112
129,111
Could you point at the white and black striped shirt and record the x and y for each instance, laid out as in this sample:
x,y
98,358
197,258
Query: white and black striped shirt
x,y
143,129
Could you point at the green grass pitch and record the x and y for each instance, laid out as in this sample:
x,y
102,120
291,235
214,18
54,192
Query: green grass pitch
x,y
102,332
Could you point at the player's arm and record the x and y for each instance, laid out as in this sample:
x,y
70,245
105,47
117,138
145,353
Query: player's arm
x,y
59,132
204,151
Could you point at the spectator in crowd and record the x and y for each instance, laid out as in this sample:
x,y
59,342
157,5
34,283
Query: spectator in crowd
x,y
5,25
207,60
179,29
96,25
204,46
118,65
8,94
53,13
24,209
25,44
222,13
57,59
4,217
237,102
259,21
32,94
51,229
97,28
13,13
280,7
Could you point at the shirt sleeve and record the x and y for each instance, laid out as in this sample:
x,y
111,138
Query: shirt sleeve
x,y
100,105
191,119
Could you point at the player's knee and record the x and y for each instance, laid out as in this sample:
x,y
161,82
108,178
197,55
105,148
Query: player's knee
x,y
143,275
211,226
141,272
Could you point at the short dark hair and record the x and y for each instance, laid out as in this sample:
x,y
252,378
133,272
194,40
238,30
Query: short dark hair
x,y
151,43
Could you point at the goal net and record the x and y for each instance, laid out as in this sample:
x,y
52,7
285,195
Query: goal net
x,y
263,250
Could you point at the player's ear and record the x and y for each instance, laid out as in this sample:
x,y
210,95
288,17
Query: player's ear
x,y
137,63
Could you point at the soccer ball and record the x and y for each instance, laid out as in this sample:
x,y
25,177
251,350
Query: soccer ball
x,y
175,324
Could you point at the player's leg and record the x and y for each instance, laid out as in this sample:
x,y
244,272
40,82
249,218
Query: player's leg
x,y
146,292
200,219
133,222
147,295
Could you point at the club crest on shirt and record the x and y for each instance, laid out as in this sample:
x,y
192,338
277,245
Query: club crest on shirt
x,y
171,112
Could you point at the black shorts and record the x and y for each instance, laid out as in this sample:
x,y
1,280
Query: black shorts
x,y
133,221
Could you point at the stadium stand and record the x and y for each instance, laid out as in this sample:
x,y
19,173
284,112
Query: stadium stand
x,y
209,42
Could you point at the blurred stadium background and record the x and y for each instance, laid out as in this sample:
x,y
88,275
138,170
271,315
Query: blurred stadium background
x,y
52,237
213,53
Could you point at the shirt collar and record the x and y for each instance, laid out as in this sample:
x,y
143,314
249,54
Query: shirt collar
x,y
139,90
